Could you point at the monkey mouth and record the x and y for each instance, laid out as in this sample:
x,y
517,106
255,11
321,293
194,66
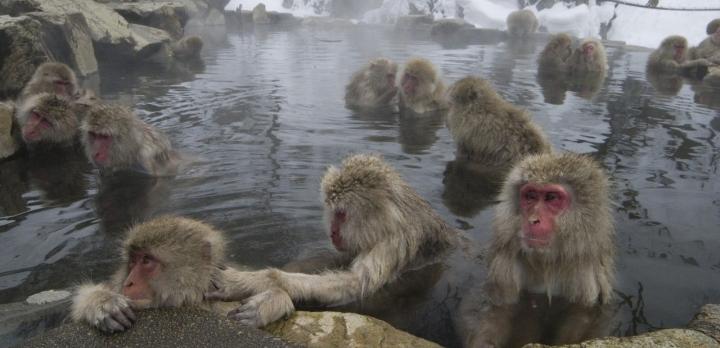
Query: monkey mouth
x,y
35,123
536,242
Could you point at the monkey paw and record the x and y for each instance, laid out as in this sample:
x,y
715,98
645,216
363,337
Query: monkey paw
x,y
107,310
263,308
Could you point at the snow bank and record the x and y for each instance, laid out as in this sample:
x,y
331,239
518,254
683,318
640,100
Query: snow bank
x,y
298,8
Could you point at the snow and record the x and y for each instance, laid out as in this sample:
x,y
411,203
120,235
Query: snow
x,y
635,26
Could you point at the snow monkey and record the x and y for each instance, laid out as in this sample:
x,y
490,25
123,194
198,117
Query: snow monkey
x,y
376,221
588,57
554,58
552,248
188,48
489,130
521,23
116,139
373,85
421,90
51,77
672,57
48,119
260,15
166,262
710,47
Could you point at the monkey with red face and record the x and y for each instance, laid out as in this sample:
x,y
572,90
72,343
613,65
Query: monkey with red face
x,y
672,57
552,250
51,77
421,89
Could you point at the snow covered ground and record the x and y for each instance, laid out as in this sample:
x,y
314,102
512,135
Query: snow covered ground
x,y
636,26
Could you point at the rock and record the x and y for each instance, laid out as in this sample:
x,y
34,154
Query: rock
x,y
413,21
20,320
238,18
669,338
334,329
283,19
20,53
214,18
48,297
167,16
151,43
8,142
327,22
707,320
69,40
167,327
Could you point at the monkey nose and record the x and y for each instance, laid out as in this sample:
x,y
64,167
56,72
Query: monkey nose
x,y
534,219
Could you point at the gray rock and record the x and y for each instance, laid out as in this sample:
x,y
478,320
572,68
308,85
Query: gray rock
x,y
169,327
334,329
707,320
68,40
669,338
168,16
327,22
413,21
151,43
20,53
21,320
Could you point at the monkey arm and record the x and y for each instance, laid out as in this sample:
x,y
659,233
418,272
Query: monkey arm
x,y
102,307
386,97
696,63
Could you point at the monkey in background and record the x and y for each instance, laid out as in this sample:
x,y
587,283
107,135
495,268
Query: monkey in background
x,y
379,225
552,250
709,48
421,90
554,58
588,57
47,118
522,23
114,138
672,58
166,262
259,14
489,130
373,85
188,48
51,77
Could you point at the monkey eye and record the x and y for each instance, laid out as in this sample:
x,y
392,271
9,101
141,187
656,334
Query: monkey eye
x,y
147,259
531,195
551,196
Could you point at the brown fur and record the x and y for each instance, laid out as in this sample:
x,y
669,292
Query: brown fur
x,y
259,14
9,132
578,267
370,87
712,26
489,130
136,144
597,63
188,48
191,253
389,229
429,96
43,80
554,58
55,109
663,59
521,23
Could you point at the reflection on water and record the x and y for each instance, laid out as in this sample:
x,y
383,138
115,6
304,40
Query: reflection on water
x,y
264,117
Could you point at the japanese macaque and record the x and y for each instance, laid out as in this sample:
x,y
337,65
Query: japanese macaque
x,y
521,23
489,130
51,77
377,222
372,86
555,55
47,118
552,250
188,48
421,90
710,47
672,57
9,140
588,57
259,14
166,262
116,139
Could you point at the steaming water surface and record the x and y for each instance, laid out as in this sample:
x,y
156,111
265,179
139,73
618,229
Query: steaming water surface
x,y
266,116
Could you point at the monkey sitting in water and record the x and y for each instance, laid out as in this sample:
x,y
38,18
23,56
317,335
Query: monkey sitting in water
x,y
114,139
421,89
372,86
672,57
521,23
48,119
188,48
51,77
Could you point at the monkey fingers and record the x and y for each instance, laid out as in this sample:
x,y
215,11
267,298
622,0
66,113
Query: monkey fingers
x,y
263,308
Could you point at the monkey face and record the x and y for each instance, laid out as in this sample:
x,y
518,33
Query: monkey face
x,y
715,38
338,219
142,269
539,206
35,127
588,50
679,51
100,147
409,84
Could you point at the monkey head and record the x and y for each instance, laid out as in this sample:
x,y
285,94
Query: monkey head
x,y
473,92
561,46
111,135
554,194
48,118
713,29
418,79
588,50
382,73
171,261
359,197
59,76
675,46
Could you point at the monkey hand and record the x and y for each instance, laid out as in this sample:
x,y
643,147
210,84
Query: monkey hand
x,y
103,308
237,285
263,308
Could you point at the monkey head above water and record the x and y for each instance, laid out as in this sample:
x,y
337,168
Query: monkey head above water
x,y
373,85
166,262
521,23
116,139
588,57
421,89
672,57
47,118
51,77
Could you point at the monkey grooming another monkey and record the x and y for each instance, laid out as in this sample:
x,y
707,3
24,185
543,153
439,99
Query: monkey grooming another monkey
x,y
589,57
672,57
188,48
554,57
421,90
372,86
116,139
48,119
166,262
552,247
487,129
377,222
51,77
521,23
